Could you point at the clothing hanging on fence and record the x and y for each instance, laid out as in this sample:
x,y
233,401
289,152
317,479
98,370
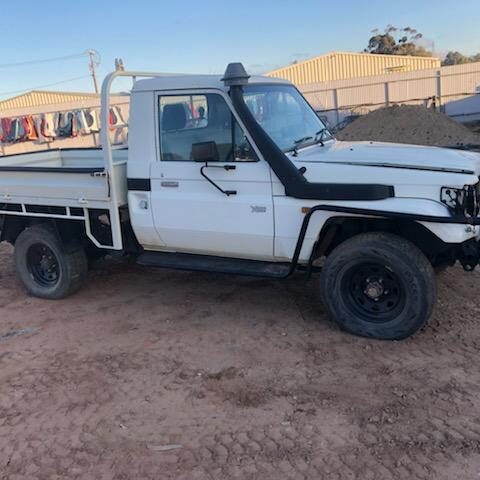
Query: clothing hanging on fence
x,y
115,117
17,130
112,119
62,126
29,128
82,125
74,131
66,125
45,127
91,119
38,126
48,125
6,129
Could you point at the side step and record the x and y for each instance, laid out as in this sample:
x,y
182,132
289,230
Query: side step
x,y
207,263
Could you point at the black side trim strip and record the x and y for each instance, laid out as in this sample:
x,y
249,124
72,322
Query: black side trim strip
x,y
139,184
296,185
24,168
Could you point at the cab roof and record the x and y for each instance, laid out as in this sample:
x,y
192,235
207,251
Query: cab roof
x,y
179,82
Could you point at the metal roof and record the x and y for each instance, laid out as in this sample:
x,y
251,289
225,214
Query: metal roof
x,y
37,98
345,65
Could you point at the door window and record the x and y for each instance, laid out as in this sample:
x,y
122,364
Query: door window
x,y
201,127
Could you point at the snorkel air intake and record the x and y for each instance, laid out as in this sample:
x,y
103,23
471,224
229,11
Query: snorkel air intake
x,y
296,185
235,75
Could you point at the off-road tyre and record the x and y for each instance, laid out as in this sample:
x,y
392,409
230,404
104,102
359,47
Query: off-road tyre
x,y
378,285
46,267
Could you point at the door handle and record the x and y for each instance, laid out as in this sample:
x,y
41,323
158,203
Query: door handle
x,y
169,184
206,177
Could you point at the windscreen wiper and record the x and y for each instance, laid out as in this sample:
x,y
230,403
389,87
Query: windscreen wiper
x,y
297,144
320,140
301,140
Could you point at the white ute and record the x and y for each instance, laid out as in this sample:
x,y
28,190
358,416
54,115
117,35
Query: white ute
x,y
237,174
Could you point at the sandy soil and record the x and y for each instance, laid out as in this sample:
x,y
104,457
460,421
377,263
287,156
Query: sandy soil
x,y
153,374
409,124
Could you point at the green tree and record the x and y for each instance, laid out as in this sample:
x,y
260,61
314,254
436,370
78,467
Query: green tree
x,y
457,58
397,41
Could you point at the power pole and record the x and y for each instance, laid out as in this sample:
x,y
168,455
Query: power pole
x,y
92,65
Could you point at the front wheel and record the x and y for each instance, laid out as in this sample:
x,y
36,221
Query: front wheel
x,y
47,267
378,285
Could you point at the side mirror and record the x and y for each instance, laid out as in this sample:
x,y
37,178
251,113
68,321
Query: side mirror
x,y
205,152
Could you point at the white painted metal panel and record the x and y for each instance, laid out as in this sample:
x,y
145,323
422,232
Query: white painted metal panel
x,y
34,186
191,215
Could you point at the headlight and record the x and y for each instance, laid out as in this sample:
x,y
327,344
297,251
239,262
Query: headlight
x,y
462,201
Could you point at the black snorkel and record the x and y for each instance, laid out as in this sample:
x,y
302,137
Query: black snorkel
x,y
296,185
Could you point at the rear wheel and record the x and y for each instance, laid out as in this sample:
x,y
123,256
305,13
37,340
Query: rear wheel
x,y
47,267
378,285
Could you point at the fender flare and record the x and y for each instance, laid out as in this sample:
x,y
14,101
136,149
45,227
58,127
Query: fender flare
x,y
363,212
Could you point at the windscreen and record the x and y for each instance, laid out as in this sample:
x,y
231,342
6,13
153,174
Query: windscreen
x,y
285,115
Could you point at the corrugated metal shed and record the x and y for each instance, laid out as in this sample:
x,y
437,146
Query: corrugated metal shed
x,y
37,98
345,65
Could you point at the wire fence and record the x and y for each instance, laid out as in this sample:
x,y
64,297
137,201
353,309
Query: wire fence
x,y
453,90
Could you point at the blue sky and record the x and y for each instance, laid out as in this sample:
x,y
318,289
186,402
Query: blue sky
x,y
203,36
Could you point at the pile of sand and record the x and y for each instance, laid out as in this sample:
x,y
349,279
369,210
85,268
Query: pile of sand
x,y
409,124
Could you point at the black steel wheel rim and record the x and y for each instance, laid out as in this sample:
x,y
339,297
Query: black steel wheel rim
x,y
43,265
374,292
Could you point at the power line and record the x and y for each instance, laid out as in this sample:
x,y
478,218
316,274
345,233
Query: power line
x,y
45,60
44,86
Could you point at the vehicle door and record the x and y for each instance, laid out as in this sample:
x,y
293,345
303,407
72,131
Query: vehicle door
x,y
211,192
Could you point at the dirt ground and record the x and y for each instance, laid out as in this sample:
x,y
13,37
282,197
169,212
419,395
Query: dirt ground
x,y
410,124
154,374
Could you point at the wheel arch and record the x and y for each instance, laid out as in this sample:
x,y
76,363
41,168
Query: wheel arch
x,y
338,229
